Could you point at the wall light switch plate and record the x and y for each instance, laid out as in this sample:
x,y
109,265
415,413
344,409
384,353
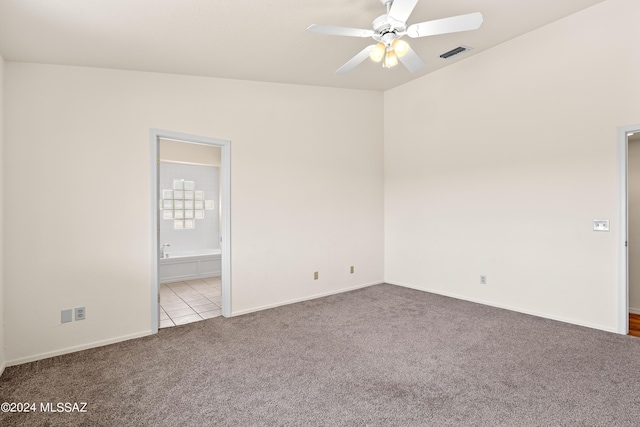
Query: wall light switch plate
x,y
600,225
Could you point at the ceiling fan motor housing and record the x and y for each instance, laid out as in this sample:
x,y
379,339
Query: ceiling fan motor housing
x,y
387,30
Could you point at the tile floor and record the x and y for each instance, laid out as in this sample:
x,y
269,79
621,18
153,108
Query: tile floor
x,y
190,301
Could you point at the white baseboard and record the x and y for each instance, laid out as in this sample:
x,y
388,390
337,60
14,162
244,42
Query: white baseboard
x,y
507,307
4,365
186,278
634,310
67,350
309,298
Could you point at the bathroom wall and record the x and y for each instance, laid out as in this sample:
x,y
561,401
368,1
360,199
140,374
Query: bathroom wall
x,y
177,151
201,163
206,234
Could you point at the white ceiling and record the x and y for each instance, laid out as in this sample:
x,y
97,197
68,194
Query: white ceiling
x,y
262,40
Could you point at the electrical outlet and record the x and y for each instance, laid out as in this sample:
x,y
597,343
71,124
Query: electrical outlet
x,y
315,275
483,280
600,225
352,270
80,313
66,316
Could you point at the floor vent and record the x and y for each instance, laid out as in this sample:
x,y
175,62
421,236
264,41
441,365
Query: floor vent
x,y
454,52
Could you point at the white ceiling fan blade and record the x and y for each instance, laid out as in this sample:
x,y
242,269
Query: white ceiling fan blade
x,y
471,21
401,9
339,31
411,60
356,60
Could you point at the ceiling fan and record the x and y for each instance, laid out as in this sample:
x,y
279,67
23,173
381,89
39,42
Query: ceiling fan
x,y
388,29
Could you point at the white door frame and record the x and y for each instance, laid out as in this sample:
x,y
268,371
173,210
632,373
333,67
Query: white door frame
x,y
623,233
225,215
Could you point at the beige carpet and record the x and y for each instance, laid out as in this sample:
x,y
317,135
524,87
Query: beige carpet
x,y
380,356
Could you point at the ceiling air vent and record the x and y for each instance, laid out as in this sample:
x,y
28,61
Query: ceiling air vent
x,y
454,52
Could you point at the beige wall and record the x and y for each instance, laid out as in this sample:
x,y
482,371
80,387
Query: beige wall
x,y
498,165
306,179
634,224
176,151
2,332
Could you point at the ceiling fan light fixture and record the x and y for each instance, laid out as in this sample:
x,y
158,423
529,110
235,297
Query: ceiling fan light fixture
x,y
388,29
401,47
377,53
391,59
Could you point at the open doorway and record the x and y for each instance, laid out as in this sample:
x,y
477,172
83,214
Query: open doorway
x,y
190,230
633,232
629,235
190,258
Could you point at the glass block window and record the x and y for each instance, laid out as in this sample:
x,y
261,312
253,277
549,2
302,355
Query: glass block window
x,y
183,204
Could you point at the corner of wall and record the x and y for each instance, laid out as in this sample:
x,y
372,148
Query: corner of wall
x,y
460,204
